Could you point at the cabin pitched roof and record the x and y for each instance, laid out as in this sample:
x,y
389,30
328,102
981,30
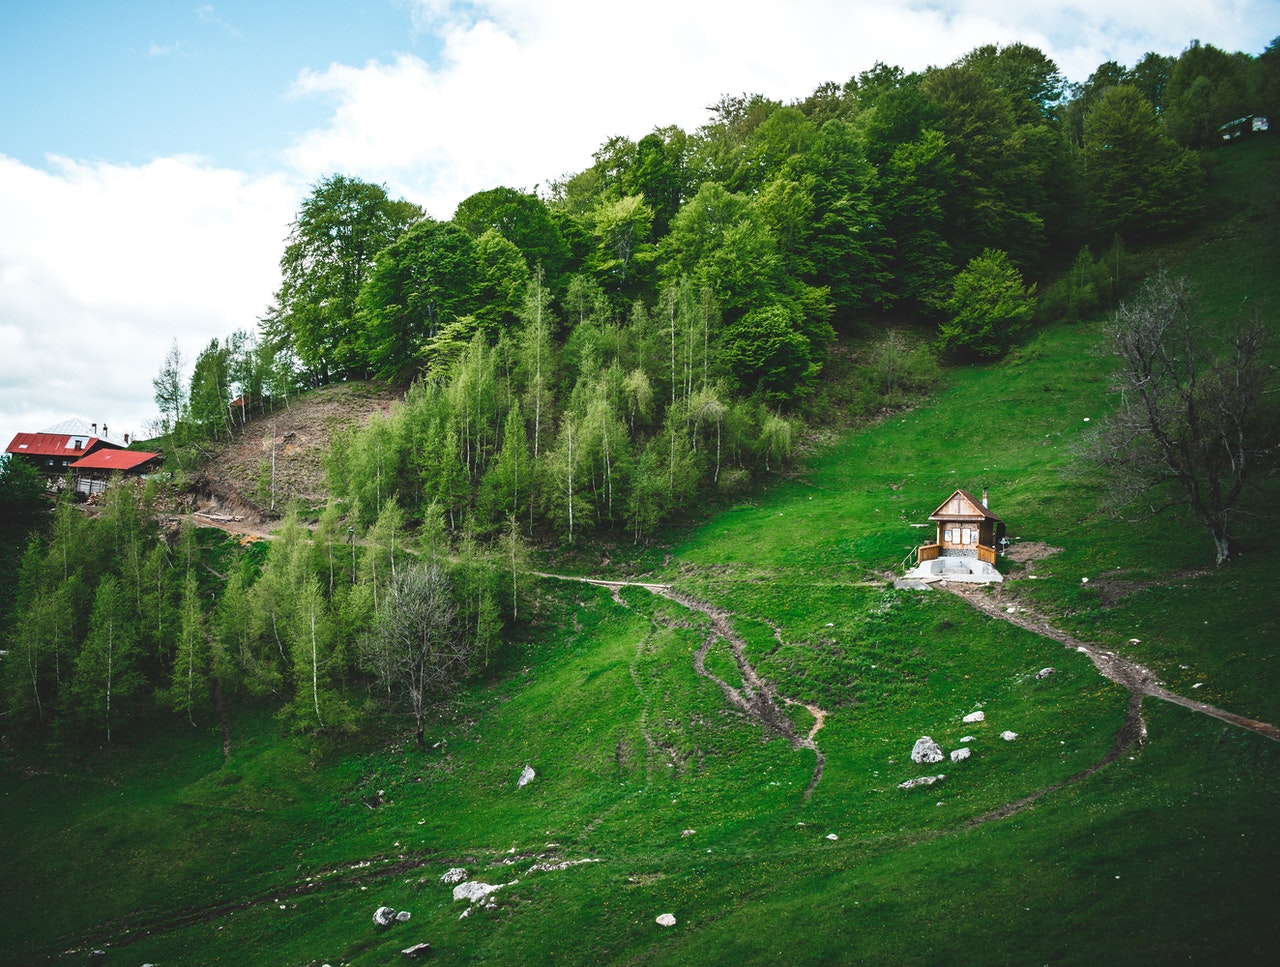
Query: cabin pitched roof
x,y
52,444
121,460
969,508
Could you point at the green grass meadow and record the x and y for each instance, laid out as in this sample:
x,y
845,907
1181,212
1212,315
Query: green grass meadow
x,y
654,795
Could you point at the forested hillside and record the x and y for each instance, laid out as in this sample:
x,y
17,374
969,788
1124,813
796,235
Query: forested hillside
x,y
590,361
738,366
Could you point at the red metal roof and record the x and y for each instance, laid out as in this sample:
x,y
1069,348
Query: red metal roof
x,y
106,459
51,445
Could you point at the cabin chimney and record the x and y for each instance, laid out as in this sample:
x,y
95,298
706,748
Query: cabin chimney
x,y
95,429
984,496
126,439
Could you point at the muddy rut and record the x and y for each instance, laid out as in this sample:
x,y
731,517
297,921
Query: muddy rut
x,y
756,697
1115,668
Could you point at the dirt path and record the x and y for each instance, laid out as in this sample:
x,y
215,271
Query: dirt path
x,y
757,698
1124,672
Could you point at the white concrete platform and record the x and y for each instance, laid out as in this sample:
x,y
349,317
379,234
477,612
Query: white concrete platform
x,y
965,569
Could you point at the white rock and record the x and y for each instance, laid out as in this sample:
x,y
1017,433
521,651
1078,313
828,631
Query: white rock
x,y
384,917
455,875
1045,672
403,916
526,776
968,738
926,750
666,920
474,890
975,717
921,781
1008,736
416,951
959,755
832,836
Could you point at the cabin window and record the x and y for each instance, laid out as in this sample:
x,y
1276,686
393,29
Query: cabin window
x,y
946,535
966,536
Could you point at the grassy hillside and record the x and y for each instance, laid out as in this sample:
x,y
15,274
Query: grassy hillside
x,y
656,794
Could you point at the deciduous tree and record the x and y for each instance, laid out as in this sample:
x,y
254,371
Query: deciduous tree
x,y
1191,420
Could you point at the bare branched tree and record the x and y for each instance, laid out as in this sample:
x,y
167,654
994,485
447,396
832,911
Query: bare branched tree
x,y
416,644
1190,425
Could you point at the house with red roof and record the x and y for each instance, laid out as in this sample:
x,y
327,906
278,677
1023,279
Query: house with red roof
x,y
94,471
67,446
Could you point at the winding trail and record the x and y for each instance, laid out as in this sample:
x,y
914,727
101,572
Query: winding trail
x,y
757,697
1128,674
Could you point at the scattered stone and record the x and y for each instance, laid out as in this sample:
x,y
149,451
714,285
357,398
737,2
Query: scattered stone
x,y
959,755
975,717
474,890
1045,673
454,875
554,867
403,916
1008,736
417,950
526,777
687,832
926,750
666,920
968,738
384,917
1198,685
832,836
921,781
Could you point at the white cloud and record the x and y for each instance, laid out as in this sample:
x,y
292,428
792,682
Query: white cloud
x,y
103,266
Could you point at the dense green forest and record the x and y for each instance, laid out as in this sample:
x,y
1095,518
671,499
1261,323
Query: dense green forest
x,y
591,361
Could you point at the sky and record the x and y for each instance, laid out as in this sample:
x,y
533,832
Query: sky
x,y
153,153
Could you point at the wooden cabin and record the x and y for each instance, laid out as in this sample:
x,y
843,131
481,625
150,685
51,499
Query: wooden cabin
x,y
53,450
966,528
93,472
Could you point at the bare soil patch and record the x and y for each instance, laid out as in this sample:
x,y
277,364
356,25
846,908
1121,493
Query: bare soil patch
x,y
295,438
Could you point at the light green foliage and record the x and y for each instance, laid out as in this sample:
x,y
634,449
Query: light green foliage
x,y
422,283
767,354
210,394
106,679
343,224
189,687
503,279
989,307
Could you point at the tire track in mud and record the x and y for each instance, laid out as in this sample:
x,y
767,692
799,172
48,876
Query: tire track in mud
x,y
757,698
1115,668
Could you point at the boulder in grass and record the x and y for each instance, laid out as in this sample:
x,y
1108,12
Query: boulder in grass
x,y
926,750
403,916
527,776
666,920
959,755
920,781
416,951
975,717
1008,736
384,916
